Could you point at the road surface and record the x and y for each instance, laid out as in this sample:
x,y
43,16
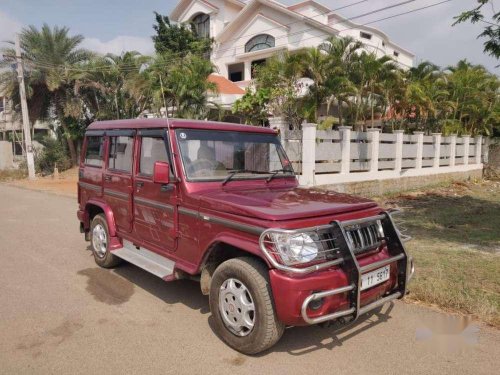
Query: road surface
x,y
60,313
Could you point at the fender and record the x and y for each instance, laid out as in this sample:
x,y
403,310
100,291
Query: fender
x,y
108,213
240,242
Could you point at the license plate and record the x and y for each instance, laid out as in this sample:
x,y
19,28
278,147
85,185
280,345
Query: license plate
x,y
375,277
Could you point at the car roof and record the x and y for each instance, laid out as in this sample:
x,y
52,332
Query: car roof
x,y
148,123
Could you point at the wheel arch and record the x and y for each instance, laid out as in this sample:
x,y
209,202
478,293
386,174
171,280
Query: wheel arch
x,y
222,248
94,207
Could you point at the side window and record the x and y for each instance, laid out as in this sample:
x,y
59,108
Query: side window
x,y
120,153
152,149
94,152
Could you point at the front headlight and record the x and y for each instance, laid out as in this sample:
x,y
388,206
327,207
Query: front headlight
x,y
295,248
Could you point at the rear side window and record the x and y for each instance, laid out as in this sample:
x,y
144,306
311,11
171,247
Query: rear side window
x,y
152,150
120,153
94,152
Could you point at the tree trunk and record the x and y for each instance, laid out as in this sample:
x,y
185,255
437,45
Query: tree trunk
x,y
71,144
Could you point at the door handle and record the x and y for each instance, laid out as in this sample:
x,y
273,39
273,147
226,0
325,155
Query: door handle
x,y
107,178
139,184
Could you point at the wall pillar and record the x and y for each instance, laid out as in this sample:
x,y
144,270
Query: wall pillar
x,y
436,138
398,159
420,149
453,149
374,138
345,149
479,144
308,153
466,139
280,124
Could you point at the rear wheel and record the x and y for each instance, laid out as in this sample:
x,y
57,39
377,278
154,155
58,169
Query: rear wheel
x,y
242,306
99,239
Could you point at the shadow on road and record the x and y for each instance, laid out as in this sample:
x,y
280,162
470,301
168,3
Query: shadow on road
x,y
296,341
180,291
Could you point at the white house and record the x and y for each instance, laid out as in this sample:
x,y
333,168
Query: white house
x,y
248,32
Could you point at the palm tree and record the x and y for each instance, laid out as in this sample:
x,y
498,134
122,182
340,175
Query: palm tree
x,y
341,54
50,56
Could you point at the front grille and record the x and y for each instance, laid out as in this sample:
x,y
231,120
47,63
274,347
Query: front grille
x,y
364,237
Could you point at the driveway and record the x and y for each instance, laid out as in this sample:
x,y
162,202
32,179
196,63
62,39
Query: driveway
x,y
60,313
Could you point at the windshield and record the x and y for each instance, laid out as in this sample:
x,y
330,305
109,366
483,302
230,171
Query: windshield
x,y
210,155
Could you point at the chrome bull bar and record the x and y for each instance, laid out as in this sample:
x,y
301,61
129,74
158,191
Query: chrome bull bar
x,y
348,262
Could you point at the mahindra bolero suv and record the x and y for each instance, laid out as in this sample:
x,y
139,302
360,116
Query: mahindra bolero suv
x,y
220,203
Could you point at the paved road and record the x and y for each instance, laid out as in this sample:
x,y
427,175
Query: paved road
x,y
60,313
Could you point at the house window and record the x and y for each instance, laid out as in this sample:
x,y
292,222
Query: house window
x,y
257,63
396,53
201,25
2,104
383,44
365,35
260,42
235,72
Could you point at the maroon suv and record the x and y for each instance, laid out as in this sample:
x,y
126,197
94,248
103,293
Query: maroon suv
x,y
220,203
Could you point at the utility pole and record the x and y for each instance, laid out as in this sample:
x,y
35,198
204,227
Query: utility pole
x,y
30,160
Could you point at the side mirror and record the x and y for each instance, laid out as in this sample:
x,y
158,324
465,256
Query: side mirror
x,y
161,173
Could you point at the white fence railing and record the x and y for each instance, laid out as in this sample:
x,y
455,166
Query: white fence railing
x,y
324,157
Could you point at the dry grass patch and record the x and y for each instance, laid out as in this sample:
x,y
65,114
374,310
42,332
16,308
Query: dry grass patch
x,y
456,246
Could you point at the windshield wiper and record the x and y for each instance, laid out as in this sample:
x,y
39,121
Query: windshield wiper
x,y
275,172
238,171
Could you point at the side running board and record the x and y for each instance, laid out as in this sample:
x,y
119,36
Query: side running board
x,y
145,259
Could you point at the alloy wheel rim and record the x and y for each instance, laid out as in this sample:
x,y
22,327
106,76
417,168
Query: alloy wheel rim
x,y
236,307
99,240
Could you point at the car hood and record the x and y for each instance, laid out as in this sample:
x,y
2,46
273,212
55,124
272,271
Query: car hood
x,y
282,204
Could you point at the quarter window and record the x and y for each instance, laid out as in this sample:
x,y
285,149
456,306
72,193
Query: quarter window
x,y
260,42
120,153
94,152
152,150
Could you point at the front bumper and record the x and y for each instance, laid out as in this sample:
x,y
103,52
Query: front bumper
x,y
335,292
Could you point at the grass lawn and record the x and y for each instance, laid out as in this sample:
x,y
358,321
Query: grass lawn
x,y
456,246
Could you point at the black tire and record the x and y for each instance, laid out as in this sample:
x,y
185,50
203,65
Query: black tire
x,y
267,329
103,259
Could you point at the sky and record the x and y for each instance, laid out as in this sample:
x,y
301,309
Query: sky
x,y
118,25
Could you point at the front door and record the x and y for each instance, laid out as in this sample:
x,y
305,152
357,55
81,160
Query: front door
x,y
154,204
118,177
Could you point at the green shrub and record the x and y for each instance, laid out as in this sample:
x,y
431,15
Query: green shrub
x,y
54,153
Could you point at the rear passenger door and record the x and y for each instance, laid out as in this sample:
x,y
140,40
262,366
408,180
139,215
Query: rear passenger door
x,y
154,204
118,177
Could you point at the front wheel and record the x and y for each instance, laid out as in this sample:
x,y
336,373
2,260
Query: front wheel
x,y
242,305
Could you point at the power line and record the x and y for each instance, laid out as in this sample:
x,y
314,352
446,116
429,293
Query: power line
x,y
130,68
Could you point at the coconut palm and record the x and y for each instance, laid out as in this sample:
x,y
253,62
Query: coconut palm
x,y
50,56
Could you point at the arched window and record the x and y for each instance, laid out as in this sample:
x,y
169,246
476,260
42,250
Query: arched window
x,y
201,24
259,42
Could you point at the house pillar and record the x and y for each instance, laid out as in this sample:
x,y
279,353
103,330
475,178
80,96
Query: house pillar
x,y
247,72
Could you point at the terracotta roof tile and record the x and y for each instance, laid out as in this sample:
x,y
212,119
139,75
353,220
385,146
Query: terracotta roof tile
x,y
224,85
